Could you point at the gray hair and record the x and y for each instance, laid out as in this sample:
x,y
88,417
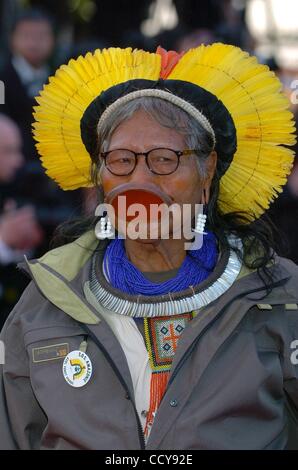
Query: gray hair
x,y
167,115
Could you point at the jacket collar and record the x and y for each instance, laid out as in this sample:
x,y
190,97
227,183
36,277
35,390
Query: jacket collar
x,y
61,274
55,275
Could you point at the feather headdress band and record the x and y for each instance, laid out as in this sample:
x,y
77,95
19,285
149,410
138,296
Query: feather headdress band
x,y
240,99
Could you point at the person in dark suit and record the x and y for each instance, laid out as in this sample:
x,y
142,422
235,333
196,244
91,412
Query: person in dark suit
x,y
32,205
24,74
32,42
19,230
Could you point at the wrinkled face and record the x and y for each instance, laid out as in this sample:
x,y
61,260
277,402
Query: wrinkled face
x,y
33,40
142,133
11,157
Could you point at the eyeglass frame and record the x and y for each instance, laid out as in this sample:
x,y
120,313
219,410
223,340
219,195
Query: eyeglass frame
x,y
178,153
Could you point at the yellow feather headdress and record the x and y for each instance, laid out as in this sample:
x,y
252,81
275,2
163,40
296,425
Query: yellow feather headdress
x,y
250,92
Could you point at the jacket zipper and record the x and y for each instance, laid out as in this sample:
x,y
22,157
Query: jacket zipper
x,y
122,381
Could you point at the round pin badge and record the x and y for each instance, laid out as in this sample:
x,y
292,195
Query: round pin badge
x,y
77,368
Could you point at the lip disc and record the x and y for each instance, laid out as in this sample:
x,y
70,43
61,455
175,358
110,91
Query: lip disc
x,y
126,198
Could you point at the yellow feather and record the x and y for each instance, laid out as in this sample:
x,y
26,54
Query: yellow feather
x,y
252,94
64,99
250,91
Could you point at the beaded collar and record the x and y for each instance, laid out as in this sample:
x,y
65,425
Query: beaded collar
x,y
193,298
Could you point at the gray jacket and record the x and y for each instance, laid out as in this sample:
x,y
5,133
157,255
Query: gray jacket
x,y
233,382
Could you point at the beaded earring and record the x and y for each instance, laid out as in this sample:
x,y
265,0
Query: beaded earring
x,y
200,225
105,228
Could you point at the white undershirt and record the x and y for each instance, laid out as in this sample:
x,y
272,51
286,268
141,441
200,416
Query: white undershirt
x,y
134,348
9,255
32,78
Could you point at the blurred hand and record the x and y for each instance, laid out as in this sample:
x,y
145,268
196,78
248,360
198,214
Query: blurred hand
x,y
19,228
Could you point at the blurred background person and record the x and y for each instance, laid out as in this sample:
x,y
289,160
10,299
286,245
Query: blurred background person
x,y
274,30
284,213
26,70
38,35
19,230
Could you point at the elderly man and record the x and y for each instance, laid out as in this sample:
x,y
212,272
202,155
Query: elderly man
x,y
134,342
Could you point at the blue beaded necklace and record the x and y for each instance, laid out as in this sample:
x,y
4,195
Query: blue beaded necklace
x,y
123,275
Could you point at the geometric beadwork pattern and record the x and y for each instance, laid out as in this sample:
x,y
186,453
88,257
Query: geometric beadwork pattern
x,y
162,335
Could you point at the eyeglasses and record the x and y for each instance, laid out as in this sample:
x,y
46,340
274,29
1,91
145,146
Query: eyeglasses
x,y
160,161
